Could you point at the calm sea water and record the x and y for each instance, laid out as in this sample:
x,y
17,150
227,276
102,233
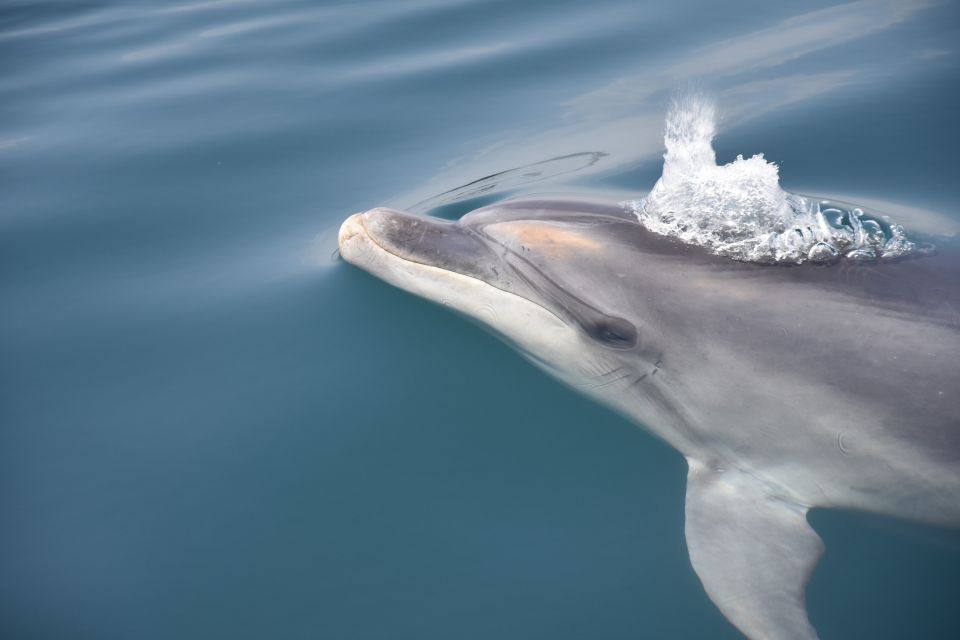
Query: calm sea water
x,y
211,428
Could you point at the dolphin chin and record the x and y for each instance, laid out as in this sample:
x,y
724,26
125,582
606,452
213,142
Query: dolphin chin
x,y
785,388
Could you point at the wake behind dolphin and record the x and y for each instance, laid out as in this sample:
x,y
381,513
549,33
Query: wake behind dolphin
x,y
738,209
784,389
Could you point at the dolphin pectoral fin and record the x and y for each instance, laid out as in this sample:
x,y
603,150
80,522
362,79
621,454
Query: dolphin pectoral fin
x,y
753,552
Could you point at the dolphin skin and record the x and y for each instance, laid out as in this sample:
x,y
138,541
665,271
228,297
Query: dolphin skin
x,y
784,387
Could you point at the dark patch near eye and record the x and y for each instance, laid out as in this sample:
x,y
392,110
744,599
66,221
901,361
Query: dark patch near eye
x,y
613,332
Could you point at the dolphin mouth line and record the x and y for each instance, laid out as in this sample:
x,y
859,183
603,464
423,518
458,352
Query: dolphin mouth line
x,y
365,233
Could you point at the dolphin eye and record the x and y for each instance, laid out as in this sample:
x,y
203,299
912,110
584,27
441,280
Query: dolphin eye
x,y
614,332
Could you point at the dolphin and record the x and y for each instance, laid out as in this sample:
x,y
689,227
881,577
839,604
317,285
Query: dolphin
x,y
785,387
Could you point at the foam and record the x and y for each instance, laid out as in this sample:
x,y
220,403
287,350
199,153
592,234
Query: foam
x,y
738,209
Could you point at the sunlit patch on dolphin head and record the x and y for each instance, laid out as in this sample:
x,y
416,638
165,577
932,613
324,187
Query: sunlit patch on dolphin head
x,y
738,209
549,240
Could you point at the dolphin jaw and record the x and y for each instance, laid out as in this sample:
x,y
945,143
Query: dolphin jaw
x,y
543,336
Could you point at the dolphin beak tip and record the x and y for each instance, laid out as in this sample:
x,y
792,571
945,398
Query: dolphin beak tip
x,y
351,230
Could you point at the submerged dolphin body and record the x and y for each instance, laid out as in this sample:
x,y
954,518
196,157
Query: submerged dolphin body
x,y
785,388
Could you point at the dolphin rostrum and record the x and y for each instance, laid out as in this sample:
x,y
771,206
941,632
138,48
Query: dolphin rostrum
x,y
785,388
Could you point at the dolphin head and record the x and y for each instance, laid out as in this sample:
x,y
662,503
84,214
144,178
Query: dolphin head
x,y
574,286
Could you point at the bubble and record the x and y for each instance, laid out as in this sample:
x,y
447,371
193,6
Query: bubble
x,y
822,252
861,255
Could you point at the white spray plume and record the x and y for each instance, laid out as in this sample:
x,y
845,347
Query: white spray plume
x,y
740,211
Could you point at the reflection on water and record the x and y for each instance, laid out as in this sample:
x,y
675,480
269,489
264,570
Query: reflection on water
x,y
211,429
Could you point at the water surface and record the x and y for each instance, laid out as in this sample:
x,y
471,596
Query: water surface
x,y
212,428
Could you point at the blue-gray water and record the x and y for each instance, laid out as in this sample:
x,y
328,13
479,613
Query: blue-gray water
x,y
210,428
